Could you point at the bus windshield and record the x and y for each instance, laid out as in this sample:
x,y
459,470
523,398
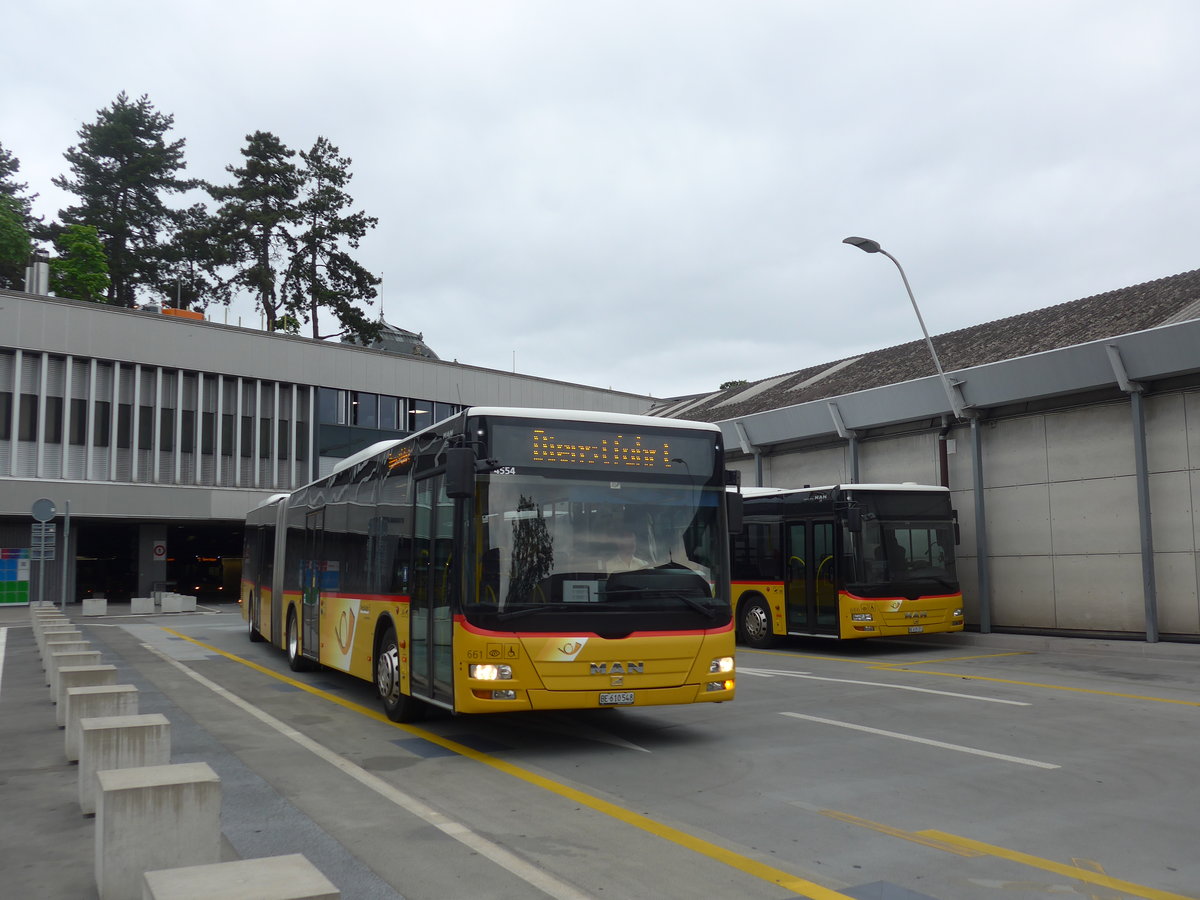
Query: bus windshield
x,y
905,539
584,554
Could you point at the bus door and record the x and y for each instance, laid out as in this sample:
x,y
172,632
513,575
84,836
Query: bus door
x,y
431,623
810,582
312,582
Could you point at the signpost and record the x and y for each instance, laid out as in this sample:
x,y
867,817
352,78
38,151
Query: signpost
x,y
42,539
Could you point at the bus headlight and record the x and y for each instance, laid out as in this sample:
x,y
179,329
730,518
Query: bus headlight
x,y
721,664
490,672
861,617
956,614
719,685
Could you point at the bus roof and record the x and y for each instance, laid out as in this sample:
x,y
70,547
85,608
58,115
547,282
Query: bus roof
x,y
585,415
907,486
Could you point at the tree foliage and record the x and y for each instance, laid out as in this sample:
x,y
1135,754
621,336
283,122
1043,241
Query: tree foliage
x,y
80,271
253,221
17,224
122,169
15,244
323,274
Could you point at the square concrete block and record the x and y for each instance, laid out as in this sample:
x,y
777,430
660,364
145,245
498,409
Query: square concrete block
x,y
187,603
95,606
90,702
172,603
151,818
79,676
50,630
119,742
57,661
73,645
141,606
290,877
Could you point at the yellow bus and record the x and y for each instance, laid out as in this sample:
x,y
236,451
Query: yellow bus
x,y
508,559
845,561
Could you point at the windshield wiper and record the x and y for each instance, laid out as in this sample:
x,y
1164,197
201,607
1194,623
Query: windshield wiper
x,y
704,610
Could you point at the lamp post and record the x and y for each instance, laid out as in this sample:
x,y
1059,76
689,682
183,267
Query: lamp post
x,y
869,246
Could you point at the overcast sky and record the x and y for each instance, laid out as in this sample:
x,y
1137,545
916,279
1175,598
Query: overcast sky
x,y
651,196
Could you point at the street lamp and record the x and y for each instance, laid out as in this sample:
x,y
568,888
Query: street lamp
x,y
869,246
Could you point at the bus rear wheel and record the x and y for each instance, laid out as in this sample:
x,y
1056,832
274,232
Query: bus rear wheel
x,y
251,613
296,661
397,705
754,622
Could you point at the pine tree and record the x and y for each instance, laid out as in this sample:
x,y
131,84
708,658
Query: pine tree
x,y
253,221
323,274
17,224
122,168
192,261
15,244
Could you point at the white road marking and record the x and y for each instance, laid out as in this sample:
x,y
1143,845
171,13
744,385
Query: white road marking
x,y
920,740
526,871
899,687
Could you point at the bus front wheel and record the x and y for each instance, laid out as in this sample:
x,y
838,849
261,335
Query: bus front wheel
x,y
754,622
397,705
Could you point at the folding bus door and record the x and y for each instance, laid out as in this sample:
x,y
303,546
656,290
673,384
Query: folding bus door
x,y
810,588
431,623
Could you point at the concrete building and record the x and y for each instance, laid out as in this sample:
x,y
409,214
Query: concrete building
x,y
161,432
1075,471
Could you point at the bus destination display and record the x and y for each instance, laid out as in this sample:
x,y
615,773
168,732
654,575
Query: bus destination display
x,y
626,451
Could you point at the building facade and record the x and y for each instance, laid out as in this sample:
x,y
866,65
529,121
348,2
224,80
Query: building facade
x,y
160,432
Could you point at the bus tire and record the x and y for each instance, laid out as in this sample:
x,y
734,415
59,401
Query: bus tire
x,y
754,623
296,661
397,705
254,633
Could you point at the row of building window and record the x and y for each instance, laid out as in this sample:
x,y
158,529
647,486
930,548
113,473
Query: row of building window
x,y
380,411
76,425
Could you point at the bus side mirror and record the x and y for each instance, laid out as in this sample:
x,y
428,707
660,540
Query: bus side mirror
x,y
460,473
733,511
854,520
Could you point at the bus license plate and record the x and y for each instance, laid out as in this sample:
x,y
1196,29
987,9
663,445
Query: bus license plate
x,y
915,629
616,698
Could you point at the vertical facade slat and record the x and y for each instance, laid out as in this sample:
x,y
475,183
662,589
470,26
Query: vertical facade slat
x,y
237,436
42,393
89,441
219,432
114,414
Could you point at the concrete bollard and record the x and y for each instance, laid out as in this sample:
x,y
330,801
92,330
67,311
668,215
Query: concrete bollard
x,y
290,877
92,702
187,603
141,606
119,742
95,606
79,676
68,658
154,817
50,631
57,645
172,603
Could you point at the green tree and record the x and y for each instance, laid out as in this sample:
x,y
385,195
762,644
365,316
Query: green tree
x,y
192,261
323,274
253,221
121,171
80,271
17,224
15,244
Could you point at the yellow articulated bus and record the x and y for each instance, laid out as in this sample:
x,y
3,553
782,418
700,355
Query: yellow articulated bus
x,y
845,561
508,559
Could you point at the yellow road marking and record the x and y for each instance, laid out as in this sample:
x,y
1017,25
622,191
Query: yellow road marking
x,y
922,662
898,832
745,864
1034,684
1057,687
1096,878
